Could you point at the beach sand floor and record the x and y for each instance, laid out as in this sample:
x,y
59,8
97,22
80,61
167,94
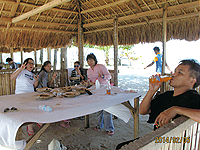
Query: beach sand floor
x,y
77,137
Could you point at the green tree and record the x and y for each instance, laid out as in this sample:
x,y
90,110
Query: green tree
x,y
106,50
127,52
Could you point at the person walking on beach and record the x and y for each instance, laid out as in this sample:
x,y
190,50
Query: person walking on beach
x,y
101,73
12,64
183,100
158,61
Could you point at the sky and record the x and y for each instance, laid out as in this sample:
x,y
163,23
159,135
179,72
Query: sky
x,y
176,51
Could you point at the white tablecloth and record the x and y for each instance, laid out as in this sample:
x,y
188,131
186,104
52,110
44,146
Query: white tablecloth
x,y
63,108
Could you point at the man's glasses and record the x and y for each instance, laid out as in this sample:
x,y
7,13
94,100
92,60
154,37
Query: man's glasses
x,y
76,66
9,109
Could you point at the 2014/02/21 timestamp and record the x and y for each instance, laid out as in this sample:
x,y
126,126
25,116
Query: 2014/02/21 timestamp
x,y
172,139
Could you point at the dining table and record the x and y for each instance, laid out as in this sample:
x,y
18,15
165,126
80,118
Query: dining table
x,y
121,103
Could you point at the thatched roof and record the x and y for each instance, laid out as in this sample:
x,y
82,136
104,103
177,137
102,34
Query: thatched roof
x,y
36,24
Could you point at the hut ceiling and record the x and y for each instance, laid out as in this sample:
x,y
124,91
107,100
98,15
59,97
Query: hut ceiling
x,y
36,24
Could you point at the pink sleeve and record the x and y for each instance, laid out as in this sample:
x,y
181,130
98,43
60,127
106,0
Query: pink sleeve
x,y
105,72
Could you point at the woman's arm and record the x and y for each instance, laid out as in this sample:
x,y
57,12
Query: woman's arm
x,y
15,74
36,81
105,73
53,78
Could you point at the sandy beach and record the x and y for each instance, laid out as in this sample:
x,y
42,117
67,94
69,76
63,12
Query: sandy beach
x,y
77,137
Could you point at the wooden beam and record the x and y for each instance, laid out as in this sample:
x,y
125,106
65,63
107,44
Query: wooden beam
x,y
140,9
151,21
143,14
104,6
42,30
40,23
54,9
13,11
40,9
115,43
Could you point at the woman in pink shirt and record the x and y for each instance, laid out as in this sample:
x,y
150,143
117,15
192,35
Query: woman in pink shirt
x,y
100,72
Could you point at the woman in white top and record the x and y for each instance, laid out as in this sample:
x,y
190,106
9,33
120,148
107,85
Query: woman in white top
x,y
26,81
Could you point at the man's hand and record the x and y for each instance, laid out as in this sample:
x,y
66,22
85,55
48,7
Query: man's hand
x,y
154,86
165,116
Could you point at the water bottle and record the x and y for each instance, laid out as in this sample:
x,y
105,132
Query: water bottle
x,y
97,84
45,108
108,89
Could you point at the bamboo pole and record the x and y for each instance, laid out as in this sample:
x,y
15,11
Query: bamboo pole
x,y
21,50
55,59
1,57
11,52
35,54
80,35
49,53
164,43
41,56
63,61
115,23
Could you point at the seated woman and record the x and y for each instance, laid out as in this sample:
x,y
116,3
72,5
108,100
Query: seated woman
x,y
100,72
43,75
26,81
78,72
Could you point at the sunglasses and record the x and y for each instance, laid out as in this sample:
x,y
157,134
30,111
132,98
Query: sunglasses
x,y
76,66
9,109
31,63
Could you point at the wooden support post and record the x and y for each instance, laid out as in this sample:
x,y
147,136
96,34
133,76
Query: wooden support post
x,y
35,53
136,117
32,140
41,56
22,56
1,61
63,61
11,53
55,59
80,36
49,53
164,43
115,22
87,123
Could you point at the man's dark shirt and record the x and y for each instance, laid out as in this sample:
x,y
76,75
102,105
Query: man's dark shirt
x,y
189,99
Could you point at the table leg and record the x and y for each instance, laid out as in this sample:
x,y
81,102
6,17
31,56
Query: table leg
x,y
87,125
19,134
32,140
136,117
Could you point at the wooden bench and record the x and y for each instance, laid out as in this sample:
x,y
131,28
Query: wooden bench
x,y
182,134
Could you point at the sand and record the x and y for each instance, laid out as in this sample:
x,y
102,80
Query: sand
x,y
77,137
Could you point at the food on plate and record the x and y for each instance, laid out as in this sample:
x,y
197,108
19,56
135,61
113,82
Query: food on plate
x,y
71,94
67,89
44,89
44,96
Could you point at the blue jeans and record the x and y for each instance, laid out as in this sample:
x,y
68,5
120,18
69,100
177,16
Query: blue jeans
x,y
105,119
